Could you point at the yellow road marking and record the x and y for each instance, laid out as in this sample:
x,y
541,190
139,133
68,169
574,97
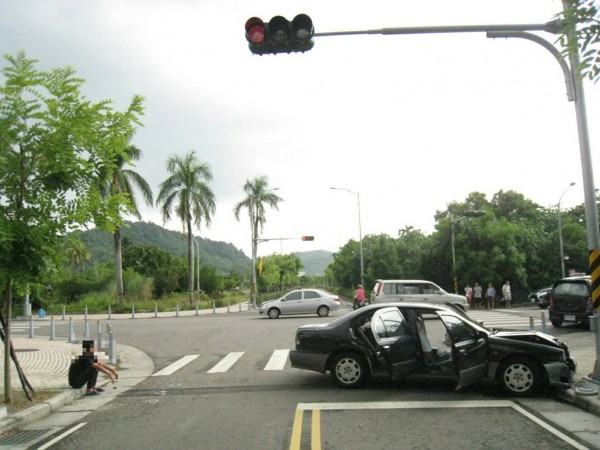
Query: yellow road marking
x,y
297,430
315,441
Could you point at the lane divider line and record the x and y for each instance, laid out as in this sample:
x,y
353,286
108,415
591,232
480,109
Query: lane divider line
x,y
170,369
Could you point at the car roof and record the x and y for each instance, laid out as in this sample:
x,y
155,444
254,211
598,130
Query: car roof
x,y
404,281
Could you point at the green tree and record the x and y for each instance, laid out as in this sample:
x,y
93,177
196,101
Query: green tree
x,y
258,195
582,18
76,252
187,192
116,181
53,142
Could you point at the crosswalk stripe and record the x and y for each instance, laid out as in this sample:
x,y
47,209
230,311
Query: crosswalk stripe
x,y
225,364
175,366
278,360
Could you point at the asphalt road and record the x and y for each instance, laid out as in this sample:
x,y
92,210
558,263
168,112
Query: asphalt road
x,y
206,405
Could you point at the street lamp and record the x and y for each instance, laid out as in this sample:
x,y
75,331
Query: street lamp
x,y
455,220
362,262
560,237
254,227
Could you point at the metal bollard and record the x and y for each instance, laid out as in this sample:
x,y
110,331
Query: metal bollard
x,y
71,332
98,336
109,312
176,309
214,305
86,315
197,312
31,333
133,311
156,310
228,306
240,305
63,312
543,322
112,358
531,327
52,329
86,332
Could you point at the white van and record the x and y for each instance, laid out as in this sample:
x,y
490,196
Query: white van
x,y
388,291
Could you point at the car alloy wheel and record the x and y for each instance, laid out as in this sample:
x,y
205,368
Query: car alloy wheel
x,y
520,376
323,311
274,313
349,370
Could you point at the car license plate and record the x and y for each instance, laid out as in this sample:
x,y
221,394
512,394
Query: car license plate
x,y
569,318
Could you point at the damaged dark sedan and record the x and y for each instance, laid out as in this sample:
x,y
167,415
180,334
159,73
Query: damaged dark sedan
x,y
417,341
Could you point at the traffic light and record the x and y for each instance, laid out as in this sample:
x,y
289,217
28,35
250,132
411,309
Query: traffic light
x,y
280,35
308,238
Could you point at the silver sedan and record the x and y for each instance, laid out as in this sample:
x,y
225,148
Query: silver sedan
x,y
302,301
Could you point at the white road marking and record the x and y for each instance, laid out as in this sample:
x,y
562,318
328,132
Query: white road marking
x,y
225,364
175,366
61,436
278,360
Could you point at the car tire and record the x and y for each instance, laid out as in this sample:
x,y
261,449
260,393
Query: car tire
x,y
274,313
349,370
323,311
556,323
520,376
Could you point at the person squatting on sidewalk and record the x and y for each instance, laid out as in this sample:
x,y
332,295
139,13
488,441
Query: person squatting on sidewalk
x,y
84,370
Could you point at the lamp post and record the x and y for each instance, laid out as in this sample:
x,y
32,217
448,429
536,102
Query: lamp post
x,y
454,221
560,237
254,225
362,262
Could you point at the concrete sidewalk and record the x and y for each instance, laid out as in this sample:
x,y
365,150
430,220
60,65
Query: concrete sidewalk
x,y
46,365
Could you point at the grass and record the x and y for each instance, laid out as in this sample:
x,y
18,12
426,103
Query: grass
x,y
20,401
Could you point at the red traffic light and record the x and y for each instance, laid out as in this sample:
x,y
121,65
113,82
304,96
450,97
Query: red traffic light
x,y
280,35
256,30
308,238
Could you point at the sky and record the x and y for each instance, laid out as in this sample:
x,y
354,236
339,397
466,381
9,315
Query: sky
x,y
407,124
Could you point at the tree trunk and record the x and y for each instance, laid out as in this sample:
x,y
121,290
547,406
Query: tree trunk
x,y
7,382
119,266
190,262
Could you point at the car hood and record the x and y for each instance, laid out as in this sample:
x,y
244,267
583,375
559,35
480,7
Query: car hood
x,y
528,336
265,304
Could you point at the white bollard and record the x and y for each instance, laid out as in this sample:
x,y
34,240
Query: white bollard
x,y
71,332
531,327
228,306
86,332
86,315
31,333
543,322
156,310
112,357
52,329
240,305
133,311
214,304
197,311
109,312
63,312
98,336
176,309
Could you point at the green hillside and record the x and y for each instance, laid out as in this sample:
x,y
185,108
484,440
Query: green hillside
x,y
315,262
221,255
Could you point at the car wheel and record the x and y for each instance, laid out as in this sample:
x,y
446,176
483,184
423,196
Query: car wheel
x,y
520,376
274,313
556,323
349,370
323,311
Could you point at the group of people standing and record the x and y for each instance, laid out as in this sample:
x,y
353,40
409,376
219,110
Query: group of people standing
x,y
474,296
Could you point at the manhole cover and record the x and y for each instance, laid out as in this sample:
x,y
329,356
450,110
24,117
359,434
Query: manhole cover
x,y
21,437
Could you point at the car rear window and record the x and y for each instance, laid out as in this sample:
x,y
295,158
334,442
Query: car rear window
x,y
579,289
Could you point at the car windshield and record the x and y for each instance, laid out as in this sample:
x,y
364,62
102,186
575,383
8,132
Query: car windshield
x,y
578,289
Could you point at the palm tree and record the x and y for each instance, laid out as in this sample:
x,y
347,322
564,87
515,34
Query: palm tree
x,y
187,191
257,196
76,252
122,181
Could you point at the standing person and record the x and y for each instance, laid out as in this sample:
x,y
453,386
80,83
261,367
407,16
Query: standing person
x,y
490,294
359,297
477,295
469,294
506,293
84,370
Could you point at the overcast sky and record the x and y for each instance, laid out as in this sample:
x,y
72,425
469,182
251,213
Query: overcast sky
x,y
412,123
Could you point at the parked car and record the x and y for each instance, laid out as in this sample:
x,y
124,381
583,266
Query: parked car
x,y
389,291
571,300
409,340
541,297
302,301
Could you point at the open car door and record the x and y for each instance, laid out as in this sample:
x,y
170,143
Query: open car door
x,y
469,350
395,343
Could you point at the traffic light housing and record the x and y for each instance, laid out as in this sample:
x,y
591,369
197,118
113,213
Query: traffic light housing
x,y
280,35
308,238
